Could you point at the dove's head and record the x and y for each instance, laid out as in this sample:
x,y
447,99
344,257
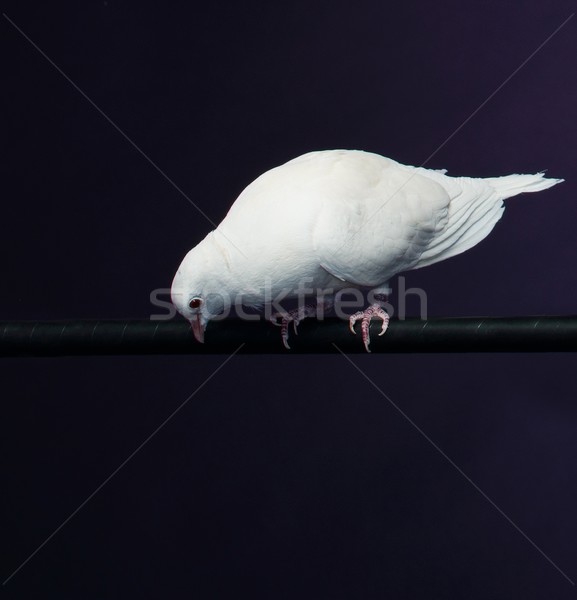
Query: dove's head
x,y
197,291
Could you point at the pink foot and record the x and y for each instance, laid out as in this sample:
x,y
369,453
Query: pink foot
x,y
365,316
294,316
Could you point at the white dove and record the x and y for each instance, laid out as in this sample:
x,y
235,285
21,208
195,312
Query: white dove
x,y
337,219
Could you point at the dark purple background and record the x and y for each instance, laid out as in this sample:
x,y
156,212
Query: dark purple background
x,y
283,477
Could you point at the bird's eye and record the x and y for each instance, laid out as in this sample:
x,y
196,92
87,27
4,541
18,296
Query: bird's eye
x,y
195,303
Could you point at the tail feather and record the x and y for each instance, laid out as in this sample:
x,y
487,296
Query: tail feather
x,y
511,185
476,206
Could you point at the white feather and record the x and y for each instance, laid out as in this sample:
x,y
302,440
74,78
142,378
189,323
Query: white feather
x,y
342,218
475,207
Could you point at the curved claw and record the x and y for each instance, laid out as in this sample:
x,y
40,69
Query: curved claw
x,y
353,319
295,317
365,316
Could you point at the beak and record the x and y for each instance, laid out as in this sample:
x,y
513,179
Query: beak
x,y
197,328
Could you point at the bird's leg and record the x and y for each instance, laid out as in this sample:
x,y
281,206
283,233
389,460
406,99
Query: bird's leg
x,y
294,316
365,316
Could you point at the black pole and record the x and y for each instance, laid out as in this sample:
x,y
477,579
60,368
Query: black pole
x,y
469,334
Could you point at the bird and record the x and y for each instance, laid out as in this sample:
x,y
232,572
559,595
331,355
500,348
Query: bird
x,y
337,219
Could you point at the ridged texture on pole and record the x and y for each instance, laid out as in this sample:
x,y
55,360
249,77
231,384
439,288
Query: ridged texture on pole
x,y
83,338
